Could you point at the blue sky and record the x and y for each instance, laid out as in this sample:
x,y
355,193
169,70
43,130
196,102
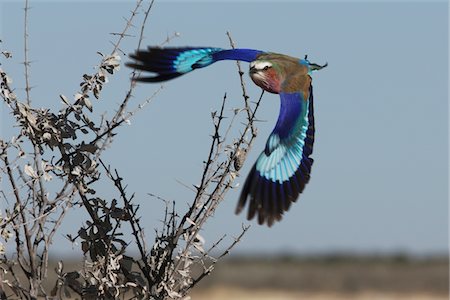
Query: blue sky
x,y
380,177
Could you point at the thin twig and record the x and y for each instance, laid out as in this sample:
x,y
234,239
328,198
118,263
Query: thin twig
x,y
244,90
123,34
26,61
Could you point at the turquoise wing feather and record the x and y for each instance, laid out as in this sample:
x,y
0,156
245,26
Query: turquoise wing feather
x,y
169,63
283,169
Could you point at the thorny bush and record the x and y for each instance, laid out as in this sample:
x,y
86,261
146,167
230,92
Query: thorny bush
x,y
68,145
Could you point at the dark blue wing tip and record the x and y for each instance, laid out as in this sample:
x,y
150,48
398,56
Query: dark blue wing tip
x,y
163,62
156,61
268,200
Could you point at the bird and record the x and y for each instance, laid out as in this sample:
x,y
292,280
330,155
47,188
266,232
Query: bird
x,y
283,168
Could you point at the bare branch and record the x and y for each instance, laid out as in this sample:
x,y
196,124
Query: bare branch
x,y
26,62
244,90
54,164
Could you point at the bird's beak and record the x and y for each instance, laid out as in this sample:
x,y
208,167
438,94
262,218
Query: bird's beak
x,y
252,70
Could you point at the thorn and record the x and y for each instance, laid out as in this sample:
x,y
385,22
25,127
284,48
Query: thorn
x,y
216,136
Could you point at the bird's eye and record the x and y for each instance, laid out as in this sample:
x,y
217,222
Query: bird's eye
x,y
266,68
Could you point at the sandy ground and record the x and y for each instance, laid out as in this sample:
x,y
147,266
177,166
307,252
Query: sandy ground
x,y
224,293
335,278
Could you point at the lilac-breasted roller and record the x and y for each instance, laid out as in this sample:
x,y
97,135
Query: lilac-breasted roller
x,y
283,169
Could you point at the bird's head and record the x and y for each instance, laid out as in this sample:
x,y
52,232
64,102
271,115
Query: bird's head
x,y
267,75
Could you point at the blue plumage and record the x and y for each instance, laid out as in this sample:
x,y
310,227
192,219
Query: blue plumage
x,y
292,108
169,63
283,169
247,55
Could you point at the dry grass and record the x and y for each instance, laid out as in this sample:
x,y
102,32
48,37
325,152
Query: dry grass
x,y
331,277
225,293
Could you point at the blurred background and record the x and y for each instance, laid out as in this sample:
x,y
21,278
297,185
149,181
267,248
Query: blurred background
x,y
373,221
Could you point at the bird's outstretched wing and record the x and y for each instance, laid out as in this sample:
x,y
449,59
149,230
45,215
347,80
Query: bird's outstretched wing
x,y
283,168
169,63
